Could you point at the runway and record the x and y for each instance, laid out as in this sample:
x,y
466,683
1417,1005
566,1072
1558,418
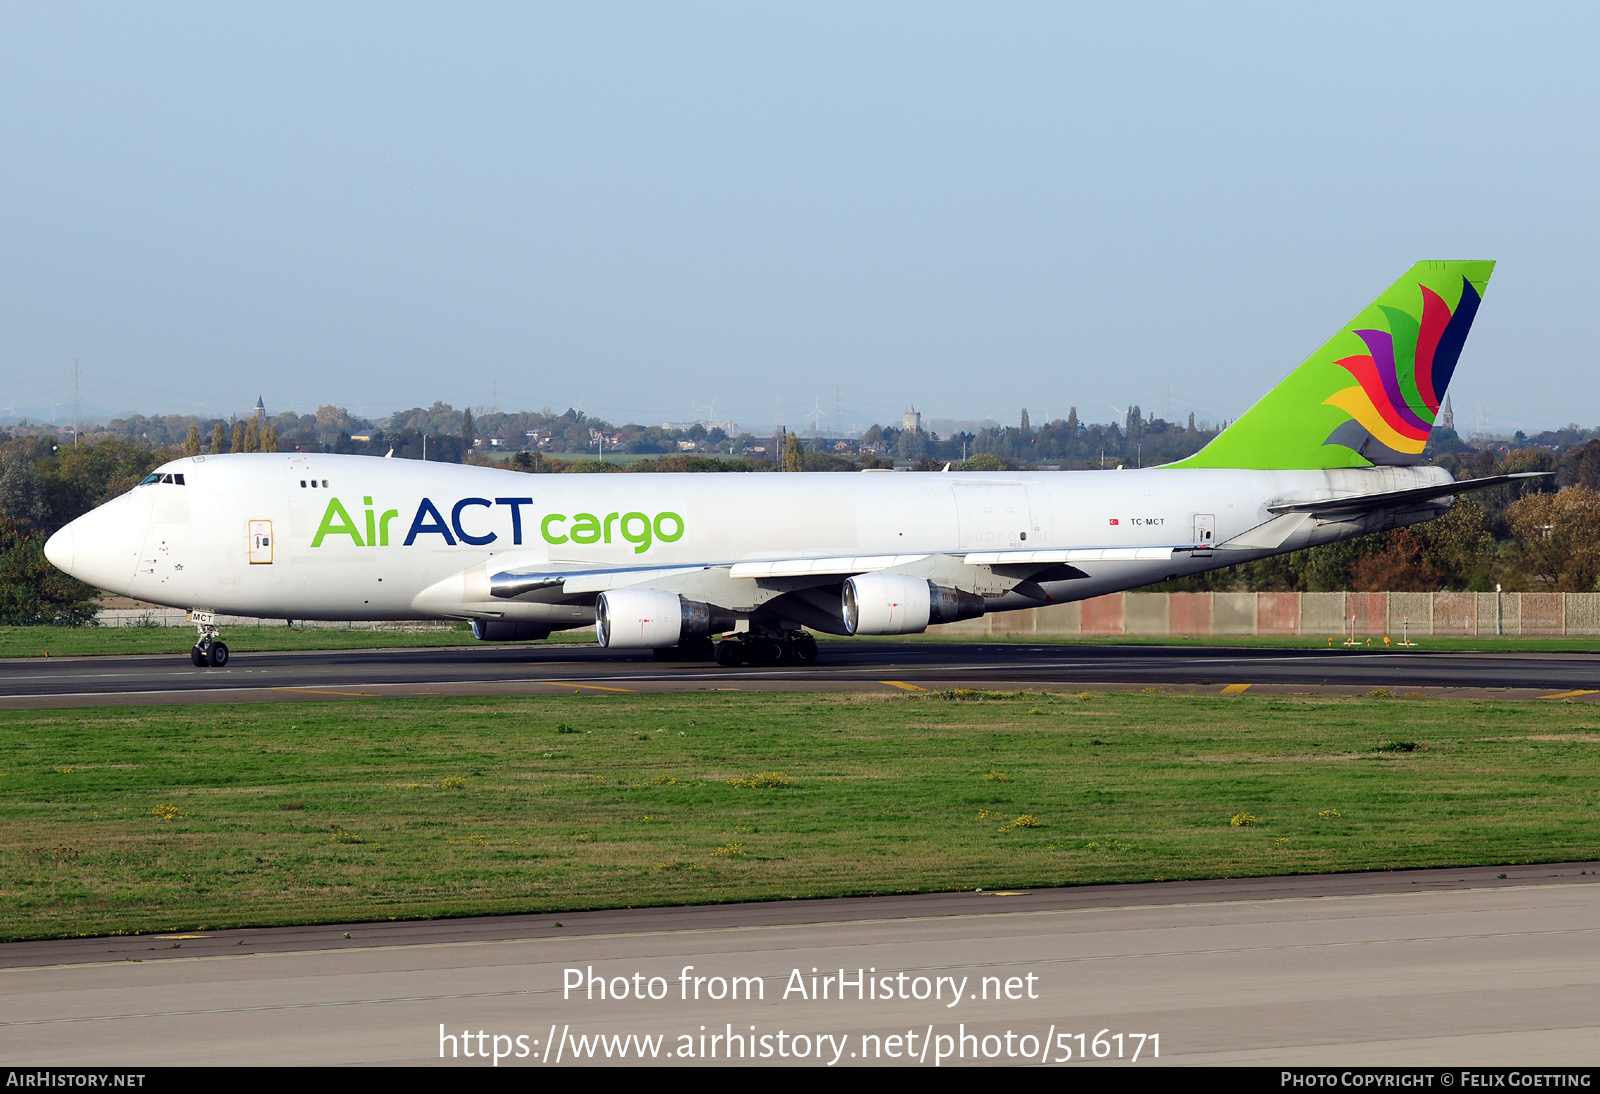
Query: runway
x,y
1441,967
521,670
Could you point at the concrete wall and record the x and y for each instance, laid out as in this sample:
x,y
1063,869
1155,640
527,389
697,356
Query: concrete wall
x,y
1375,614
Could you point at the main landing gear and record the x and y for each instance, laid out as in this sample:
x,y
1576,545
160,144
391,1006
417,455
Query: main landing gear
x,y
690,649
763,649
209,650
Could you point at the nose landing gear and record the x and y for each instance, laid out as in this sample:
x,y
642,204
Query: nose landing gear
x,y
208,651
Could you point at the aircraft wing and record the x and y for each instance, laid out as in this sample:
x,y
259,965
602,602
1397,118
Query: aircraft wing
x,y
992,571
510,584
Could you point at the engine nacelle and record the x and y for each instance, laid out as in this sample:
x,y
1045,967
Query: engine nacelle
x,y
897,604
507,630
648,619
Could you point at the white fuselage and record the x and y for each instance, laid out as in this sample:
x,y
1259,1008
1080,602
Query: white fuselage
x,y
354,537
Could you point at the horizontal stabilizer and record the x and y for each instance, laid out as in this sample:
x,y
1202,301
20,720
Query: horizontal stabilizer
x,y
1356,504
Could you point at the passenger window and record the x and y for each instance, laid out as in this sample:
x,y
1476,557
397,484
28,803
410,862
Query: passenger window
x,y
302,484
324,484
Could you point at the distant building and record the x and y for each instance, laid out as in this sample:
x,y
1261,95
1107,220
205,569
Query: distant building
x,y
1447,419
911,420
261,410
361,437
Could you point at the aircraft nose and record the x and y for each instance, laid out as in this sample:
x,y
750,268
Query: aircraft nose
x,y
102,546
60,549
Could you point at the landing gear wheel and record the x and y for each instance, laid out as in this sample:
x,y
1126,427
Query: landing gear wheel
x,y
730,654
765,652
668,653
698,649
198,656
217,655
804,650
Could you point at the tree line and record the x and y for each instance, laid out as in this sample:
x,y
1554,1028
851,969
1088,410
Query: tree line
x,y
1539,536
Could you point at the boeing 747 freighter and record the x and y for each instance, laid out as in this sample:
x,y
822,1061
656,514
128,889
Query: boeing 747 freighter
x,y
668,562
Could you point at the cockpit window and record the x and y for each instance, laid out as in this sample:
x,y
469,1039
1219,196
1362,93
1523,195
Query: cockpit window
x,y
148,479
158,476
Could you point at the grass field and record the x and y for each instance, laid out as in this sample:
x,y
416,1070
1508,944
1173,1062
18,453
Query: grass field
x,y
98,641
118,820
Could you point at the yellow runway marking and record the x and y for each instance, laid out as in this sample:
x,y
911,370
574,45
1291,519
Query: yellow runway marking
x,y
1570,694
322,691
174,937
591,687
1235,689
902,685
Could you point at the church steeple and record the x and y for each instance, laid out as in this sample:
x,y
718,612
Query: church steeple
x,y
1447,417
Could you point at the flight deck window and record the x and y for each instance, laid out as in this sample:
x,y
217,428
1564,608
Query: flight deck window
x,y
148,479
178,479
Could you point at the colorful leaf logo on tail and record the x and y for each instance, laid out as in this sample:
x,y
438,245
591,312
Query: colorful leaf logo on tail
x,y
1370,394
1401,378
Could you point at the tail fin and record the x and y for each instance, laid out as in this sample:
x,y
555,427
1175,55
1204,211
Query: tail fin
x,y
1400,353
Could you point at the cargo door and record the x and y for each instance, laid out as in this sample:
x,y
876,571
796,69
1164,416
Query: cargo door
x,y
993,516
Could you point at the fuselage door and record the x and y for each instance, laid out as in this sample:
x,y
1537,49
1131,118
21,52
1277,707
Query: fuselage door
x,y
993,516
261,543
1205,530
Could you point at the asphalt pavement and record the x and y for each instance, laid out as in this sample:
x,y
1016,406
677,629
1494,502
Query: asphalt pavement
x,y
520,670
1469,967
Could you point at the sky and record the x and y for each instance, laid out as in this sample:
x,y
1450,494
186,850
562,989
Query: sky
x,y
647,210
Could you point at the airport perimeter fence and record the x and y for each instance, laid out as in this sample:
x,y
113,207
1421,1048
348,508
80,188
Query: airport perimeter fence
x,y
1375,615
177,617
1178,614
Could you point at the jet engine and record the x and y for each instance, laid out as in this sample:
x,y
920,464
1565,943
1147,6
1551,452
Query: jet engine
x,y
897,604
648,619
